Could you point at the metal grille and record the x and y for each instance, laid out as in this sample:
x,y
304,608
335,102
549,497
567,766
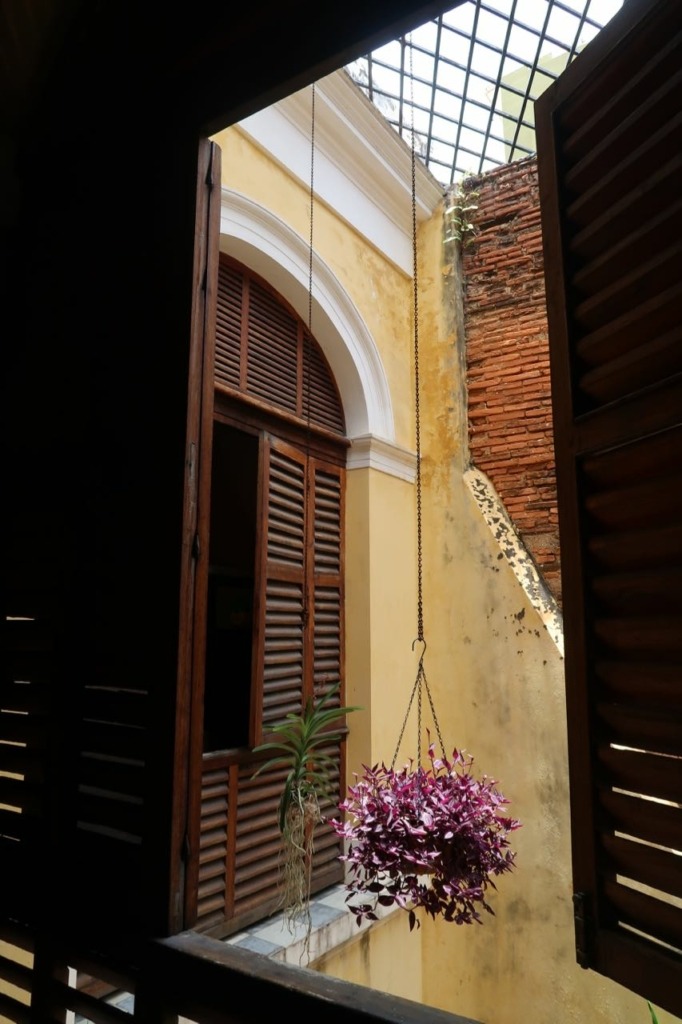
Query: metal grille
x,y
476,71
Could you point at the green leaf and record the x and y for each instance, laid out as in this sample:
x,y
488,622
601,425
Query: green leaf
x,y
296,744
654,1018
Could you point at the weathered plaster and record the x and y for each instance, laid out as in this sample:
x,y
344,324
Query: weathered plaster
x,y
514,551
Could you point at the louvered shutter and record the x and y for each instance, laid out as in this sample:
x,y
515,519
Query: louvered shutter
x,y
230,315
300,565
264,352
319,386
280,639
184,848
27,710
273,350
327,519
609,160
266,359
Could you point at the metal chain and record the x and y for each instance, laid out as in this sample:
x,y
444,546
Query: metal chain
x,y
417,418
420,682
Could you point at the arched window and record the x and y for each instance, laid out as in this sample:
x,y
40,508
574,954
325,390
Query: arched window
x,y
275,592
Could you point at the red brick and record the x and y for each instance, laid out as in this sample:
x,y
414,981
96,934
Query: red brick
x,y
510,411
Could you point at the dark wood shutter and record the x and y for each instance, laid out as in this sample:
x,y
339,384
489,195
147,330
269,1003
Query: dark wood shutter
x,y
610,159
279,639
27,709
229,319
184,851
327,587
262,352
298,652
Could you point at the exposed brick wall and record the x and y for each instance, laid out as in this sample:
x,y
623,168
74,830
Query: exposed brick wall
x,y
510,414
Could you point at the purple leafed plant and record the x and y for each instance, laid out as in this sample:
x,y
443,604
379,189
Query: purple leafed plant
x,y
432,837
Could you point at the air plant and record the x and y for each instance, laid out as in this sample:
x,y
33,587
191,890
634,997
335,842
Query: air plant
x,y
299,746
426,837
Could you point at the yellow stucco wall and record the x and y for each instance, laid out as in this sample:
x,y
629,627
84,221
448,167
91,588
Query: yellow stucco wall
x,y
384,957
494,671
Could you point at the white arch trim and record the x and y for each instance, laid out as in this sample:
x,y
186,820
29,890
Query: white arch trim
x,y
264,243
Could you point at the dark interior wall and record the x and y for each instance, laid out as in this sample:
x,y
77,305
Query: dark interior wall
x,y
96,431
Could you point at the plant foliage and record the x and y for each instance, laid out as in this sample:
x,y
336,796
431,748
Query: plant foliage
x,y
428,837
459,212
298,746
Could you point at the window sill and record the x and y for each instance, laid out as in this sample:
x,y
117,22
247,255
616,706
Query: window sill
x,y
332,926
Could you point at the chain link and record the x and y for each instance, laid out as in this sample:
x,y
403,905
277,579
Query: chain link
x,y
420,682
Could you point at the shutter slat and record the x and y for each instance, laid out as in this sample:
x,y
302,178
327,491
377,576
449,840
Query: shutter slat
x,y
632,330
649,820
654,917
644,729
656,682
641,772
623,176
644,864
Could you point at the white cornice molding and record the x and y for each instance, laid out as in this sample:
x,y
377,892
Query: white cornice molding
x,y
363,169
369,452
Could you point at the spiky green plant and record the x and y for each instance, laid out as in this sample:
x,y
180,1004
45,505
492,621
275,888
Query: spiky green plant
x,y
654,1018
298,747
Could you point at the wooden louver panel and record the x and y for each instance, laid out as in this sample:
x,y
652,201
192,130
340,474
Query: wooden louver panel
x,y
257,840
327,516
328,577
273,350
26,712
264,352
298,652
282,677
325,408
609,162
228,327
214,881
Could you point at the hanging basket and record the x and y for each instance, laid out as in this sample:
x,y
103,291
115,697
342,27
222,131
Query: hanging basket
x,y
427,837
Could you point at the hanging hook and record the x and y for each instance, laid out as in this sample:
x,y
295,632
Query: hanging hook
x,y
420,640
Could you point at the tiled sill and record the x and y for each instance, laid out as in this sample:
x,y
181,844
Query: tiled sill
x,y
332,925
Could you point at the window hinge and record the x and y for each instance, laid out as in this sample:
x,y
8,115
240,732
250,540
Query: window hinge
x,y
581,917
186,848
196,547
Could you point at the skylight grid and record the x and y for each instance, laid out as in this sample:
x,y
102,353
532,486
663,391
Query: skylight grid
x,y
468,80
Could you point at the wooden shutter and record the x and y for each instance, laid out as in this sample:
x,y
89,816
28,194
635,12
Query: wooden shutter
x,y
28,710
298,652
300,646
279,639
232,299
610,160
327,587
184,852
263,352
